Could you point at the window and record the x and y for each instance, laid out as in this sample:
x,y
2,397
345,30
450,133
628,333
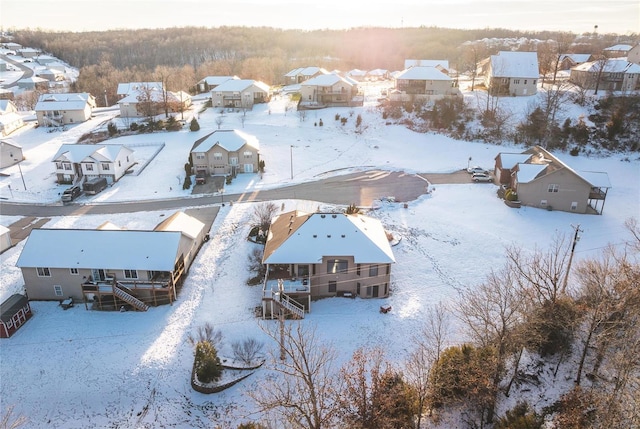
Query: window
x,y
89,167
552,188
368,291
105,166
67,166
201,155
58,164
517,81
332,286
217,155
543,203
525,81
336,266
248,154
358,269
73,271
388,269
574,206
233,160
43,272
130,274
57,289
119,164
534,81
358,288
373,270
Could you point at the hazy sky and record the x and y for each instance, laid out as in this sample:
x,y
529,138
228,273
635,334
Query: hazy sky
x,y
579,16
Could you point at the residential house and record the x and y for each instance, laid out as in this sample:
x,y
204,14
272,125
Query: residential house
x,y
67,108
33,83
12,46
512,73
111,267
316,255
51,75
542,180
328,90
442,65
301,74
78,162
127,88
617,51
634,54
357,75
378,74
10,120
152,102
240,93
225,152
10,153
210,82
28,52
615,74
568,61
14,312
422,83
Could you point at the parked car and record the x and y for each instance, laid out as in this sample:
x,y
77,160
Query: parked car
x,y
201,178
93,186
71,194
482,177
476,169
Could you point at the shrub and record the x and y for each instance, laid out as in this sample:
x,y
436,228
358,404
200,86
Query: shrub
x,y
574,151
112,129
228,179
520,417
133,126
207,363
187,183
194,126
337,116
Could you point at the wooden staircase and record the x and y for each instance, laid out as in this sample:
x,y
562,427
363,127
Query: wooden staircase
x,y
289,304
122,292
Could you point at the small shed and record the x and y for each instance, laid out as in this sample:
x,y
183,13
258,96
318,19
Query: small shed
x,y
13,313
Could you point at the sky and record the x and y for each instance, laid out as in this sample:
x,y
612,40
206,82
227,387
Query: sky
x,y
140,363
578,16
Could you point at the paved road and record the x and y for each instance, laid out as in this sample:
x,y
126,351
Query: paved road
x,y
357,188
27,72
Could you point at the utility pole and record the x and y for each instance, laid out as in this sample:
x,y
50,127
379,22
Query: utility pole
x,y
576,237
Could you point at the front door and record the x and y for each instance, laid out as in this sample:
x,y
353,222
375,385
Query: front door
x,y
98,275
375,291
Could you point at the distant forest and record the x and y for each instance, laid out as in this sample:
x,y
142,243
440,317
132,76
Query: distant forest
x,y
182,56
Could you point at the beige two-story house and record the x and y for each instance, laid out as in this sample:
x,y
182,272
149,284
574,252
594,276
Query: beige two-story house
x,y
66,108
422,83
240,93
512,73
328,90
614,74
544,181
315,255
226,152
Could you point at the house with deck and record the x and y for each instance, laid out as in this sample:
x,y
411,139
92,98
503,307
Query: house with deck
x,y
128,88
613,74
226,152
512,73
423,83
328,90
316,255
442,65
54,110
151,102
300,74
544,181
78,162
111,268
240,93
208,83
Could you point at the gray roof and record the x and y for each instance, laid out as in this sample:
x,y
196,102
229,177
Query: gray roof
x,y
107,249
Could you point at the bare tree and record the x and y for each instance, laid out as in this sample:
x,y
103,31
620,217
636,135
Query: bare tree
x,y
247,350
9,421
219,120
430,343
303,393
263,214
206,333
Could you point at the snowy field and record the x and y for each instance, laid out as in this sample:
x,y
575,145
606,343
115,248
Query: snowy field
x,y
86,369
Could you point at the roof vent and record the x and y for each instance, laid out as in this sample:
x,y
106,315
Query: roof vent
x,y
343,235
328,235
323,216
315,235
334,216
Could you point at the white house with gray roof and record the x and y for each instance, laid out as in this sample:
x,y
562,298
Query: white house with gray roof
x,y
513,73
300,74
225,152
78,162
240,93
422,83
66,108
208,83
315,255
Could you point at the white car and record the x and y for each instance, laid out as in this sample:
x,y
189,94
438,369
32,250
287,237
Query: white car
x,y
481,177
476,169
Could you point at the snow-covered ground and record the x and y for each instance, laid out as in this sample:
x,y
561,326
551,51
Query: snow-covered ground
x,y
89,369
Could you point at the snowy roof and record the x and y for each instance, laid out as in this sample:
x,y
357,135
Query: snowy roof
x,y
357,72
230,140
515,64
613,65
619,47
68,101
296,237
128,87
33,79
597,179
241,85
306,71
181,222
4,230
76,153
528,172
577,58
110,249
109,226
378,72
10,143
217,80
430,63
325,80
422,73
510,160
